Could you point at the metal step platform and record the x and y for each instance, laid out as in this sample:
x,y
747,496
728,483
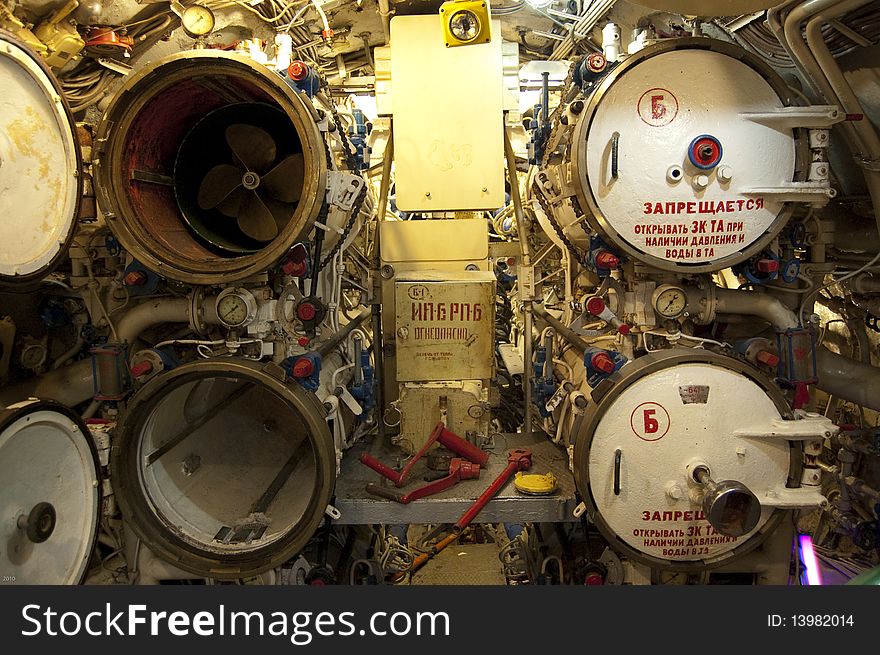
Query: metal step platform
x,y
509,506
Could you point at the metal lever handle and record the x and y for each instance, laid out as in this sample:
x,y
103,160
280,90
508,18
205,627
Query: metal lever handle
x,y
449,439
615,145
400,477
463,448
617,455
390,493
458,470
380,468
517,460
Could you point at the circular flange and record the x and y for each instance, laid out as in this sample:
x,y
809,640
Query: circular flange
x,y
140,135
678,407
223,469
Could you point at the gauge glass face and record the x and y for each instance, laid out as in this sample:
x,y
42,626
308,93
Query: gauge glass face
x,y
464,25
232,310
670,302
197,20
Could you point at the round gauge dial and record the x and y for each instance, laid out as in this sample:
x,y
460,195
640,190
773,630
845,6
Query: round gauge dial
x,y
669,300
672,577
235,307
197,20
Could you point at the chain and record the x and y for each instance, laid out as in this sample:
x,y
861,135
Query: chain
x,y
557,115
324,212
358,204
548,211
346,145
539,192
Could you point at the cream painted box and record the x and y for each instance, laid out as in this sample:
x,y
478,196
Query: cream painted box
x,y
444,325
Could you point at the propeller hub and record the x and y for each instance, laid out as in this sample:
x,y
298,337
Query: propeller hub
x,y
250,180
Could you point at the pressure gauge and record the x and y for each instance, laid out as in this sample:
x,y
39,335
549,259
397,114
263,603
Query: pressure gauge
x,y
197,20
236,307
669,300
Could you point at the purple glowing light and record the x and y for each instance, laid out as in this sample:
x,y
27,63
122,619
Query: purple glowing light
x,y
808,556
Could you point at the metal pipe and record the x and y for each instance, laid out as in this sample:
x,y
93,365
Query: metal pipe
x,y
800,53
91,410
521,227
526,263
154,312
865,283
861,487
72,352
566,333
852,233
850,33
582,28
865,141
854,381
856,327
765,306
791,37
70,386
74,384
545,98
867,135
376,306
156,31
385,15
341,335
839,376
385,184
815,61
775,20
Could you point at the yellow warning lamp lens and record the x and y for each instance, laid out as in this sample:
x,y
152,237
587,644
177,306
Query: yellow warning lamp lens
x,y
464,25
465,22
